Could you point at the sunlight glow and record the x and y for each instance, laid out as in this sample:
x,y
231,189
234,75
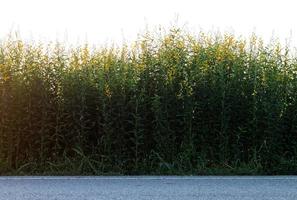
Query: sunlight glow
x,y
101,21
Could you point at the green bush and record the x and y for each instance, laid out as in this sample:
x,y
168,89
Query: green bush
x,y
171,104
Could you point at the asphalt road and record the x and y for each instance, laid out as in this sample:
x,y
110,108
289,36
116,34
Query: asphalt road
x,y
149,187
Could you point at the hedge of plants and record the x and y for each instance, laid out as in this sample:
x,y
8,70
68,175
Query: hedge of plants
x,y
177,103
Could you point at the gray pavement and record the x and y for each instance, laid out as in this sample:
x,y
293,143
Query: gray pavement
x,y
149,187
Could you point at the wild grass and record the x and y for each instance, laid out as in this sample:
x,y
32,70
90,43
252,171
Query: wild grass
x,y
172,104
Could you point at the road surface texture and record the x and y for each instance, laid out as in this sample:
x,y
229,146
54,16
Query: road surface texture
x,y
149,188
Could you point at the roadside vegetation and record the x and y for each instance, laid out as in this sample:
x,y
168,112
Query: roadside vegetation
x,y
175,103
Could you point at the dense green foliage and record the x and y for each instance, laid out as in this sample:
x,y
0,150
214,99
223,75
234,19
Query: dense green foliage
x,y
171,104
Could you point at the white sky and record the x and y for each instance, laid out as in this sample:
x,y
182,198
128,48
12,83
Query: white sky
x,y
101,21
